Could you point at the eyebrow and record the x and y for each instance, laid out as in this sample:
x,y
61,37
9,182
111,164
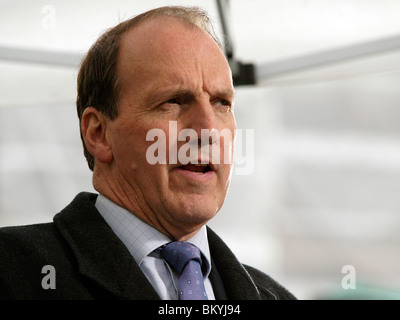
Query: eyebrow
x,y
228,93
159,94
163,93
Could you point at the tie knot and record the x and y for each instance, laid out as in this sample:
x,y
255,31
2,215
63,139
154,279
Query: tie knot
x,y
179,253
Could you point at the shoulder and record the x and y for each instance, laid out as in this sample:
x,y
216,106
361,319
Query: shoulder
x,y
267,286
22,247
24,252
43,240
27,236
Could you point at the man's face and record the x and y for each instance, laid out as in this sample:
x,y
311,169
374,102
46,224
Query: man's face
x,y
170,72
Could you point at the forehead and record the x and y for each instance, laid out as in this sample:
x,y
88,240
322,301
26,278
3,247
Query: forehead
x,y
165,50
164,32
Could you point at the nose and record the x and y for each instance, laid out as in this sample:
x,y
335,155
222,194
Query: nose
x,y
201,116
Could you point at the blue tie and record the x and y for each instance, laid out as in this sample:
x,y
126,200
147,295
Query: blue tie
x,y
185,259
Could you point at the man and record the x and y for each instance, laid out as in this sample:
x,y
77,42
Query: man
x,y
163,69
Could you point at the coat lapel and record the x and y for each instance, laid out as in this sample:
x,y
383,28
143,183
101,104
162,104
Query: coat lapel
x,y
236,280
101,256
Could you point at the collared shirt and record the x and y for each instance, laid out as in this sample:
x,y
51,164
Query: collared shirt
x,y
142,240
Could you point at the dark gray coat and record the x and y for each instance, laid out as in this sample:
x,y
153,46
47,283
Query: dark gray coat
x,y
90,262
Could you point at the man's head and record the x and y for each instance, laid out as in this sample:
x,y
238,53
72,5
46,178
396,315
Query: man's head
x,y
162,66
98,81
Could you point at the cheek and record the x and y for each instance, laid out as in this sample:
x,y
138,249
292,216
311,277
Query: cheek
x,y
226,146
128,146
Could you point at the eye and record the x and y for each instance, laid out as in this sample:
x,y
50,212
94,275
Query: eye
x,y
173,101
223,104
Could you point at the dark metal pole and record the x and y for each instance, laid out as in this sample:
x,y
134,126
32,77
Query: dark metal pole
x,y
223,10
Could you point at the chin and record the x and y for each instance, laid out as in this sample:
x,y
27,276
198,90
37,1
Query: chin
x,y
196,213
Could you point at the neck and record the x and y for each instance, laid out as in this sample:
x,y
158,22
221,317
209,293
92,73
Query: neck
x,y
173,229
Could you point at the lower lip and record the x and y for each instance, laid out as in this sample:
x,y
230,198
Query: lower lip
x,y
204,177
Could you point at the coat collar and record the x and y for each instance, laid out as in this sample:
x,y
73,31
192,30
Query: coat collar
x,y
237,281
100,255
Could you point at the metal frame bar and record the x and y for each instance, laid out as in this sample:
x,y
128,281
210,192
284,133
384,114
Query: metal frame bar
x,y
290,65
27,55
223,11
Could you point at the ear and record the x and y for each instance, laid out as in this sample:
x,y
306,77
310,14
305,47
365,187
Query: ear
x,y
94,133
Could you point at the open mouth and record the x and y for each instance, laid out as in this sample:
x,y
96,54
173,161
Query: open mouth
x,y
197,168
